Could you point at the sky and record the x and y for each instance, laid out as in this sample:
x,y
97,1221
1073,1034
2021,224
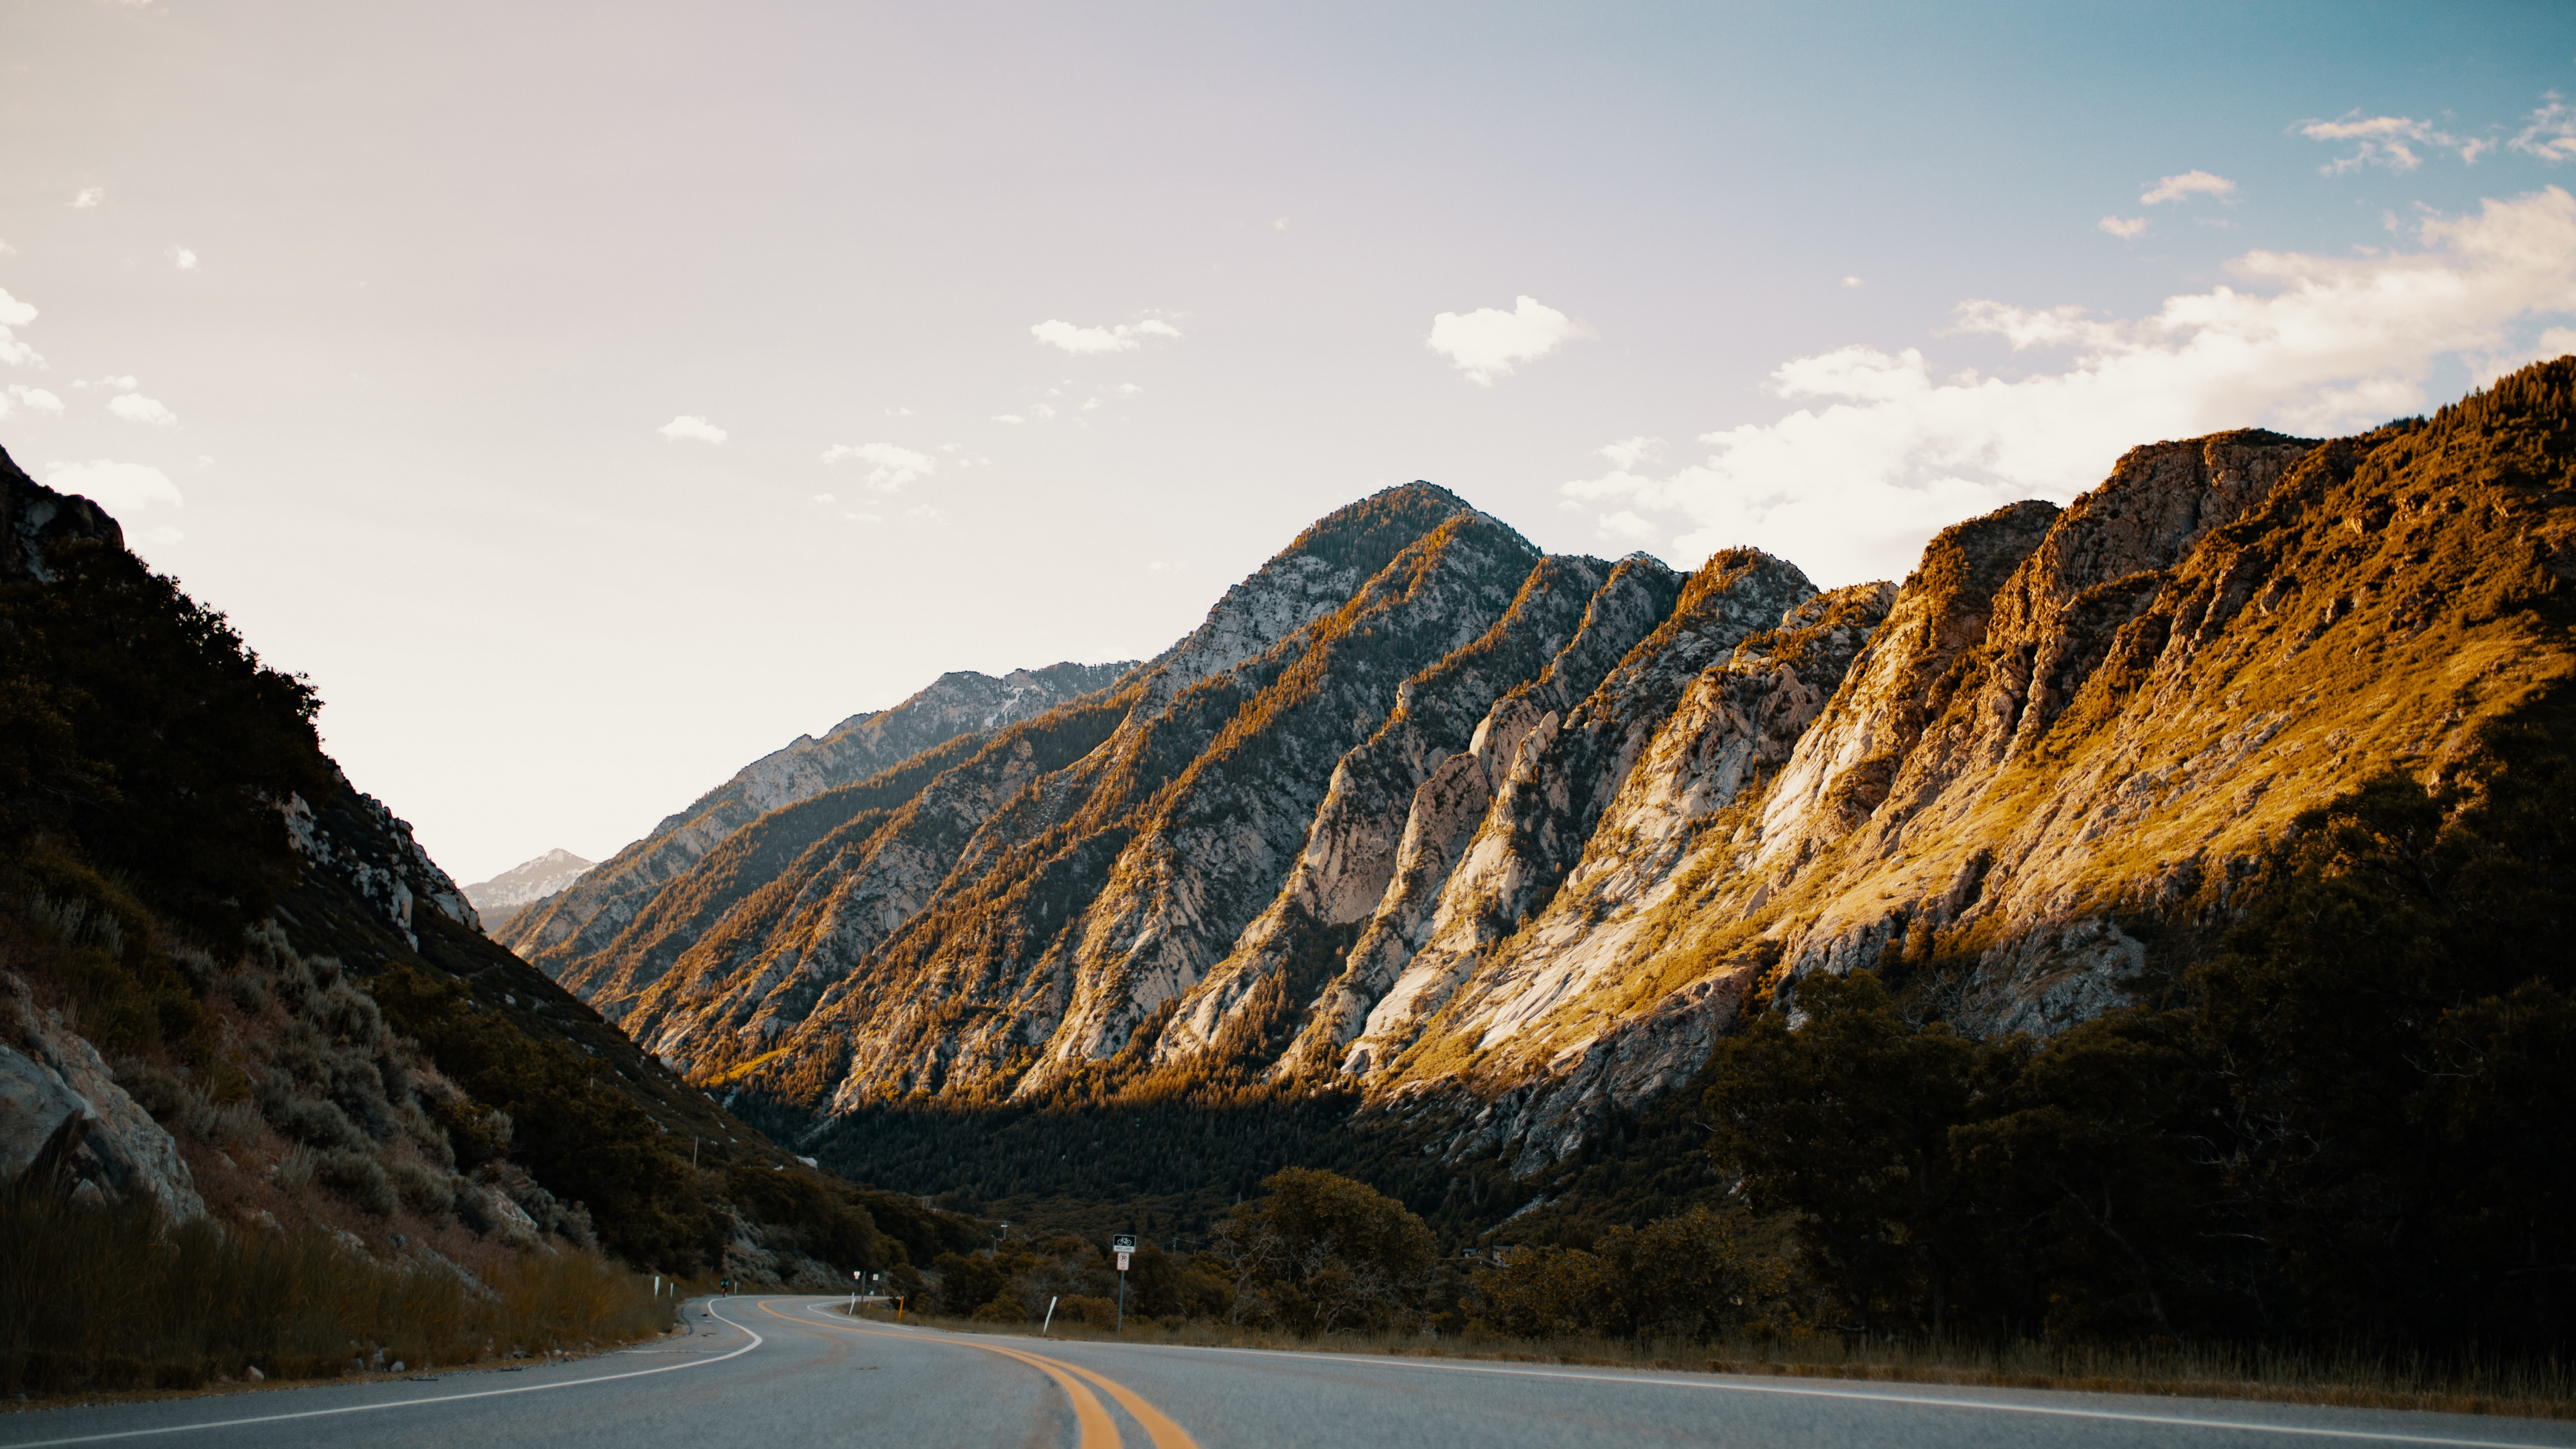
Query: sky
x,y
590,399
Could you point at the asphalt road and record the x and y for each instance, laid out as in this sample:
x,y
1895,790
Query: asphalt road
x,y
768,1373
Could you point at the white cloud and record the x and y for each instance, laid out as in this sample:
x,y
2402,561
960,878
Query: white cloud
x,y
127,381
2185,186
1885,451
864,517
87,197
2554,343
120,488
2550,134
1123,337
1627,527
889,467
688,425
14,313
1851,281
2388,141
2126,228
825,498
1486,342
134,407
34,399
184,258
925,513
7,250
1629,452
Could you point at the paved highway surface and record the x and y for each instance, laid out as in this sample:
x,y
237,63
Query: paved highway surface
x,y
768,1373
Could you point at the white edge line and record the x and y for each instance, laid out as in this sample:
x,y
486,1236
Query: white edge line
x,y
1925,1400
756,1341
1728,1385
1922,1400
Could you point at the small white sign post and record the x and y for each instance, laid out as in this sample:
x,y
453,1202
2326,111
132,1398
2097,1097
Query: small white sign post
x,y
1123,1245
856,1278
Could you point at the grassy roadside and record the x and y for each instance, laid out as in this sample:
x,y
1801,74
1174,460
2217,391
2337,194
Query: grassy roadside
x,y
114,1298
2342,1380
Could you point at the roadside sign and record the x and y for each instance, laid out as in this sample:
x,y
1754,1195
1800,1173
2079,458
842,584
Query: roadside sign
x,y
1122,1245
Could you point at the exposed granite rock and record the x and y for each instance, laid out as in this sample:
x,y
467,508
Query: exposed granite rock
x,y
1565,770
355,838
1352,845
60,1102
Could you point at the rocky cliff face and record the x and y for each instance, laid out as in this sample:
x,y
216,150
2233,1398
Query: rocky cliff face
x,y
1507,842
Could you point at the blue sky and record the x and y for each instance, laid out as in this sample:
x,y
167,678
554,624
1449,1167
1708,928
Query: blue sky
x,y
414,304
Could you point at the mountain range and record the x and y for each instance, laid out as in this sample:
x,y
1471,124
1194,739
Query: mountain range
x,y
530,882
1501,843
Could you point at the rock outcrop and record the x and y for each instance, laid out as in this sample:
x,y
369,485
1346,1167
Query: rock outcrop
x,y
63,1115
33,518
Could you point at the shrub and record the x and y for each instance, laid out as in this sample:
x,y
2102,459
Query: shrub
x,y
358,1177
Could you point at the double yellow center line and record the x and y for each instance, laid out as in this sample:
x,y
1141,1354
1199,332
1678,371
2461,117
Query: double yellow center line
x,y
1098,1430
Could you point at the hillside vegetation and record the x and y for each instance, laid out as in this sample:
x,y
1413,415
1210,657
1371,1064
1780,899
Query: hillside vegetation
x,y
235,997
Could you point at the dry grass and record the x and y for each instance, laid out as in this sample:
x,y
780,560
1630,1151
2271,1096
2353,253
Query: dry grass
x,y
117,1298
2348,1379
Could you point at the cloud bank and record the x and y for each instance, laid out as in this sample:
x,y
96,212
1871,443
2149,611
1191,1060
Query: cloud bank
x,y
1124,337
1485,343
1886,451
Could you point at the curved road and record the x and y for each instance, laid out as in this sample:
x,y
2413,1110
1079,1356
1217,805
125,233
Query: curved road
x,y
773,1372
